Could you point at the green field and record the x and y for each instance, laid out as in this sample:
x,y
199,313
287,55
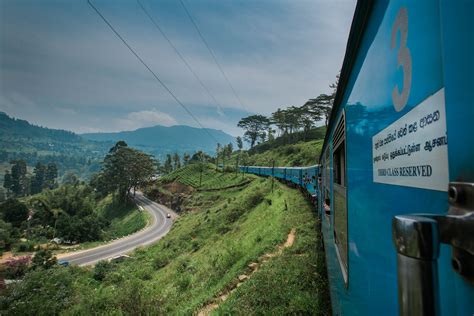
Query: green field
x,y
208,179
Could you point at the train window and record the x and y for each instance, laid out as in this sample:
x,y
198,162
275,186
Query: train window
x,y
327,183
340,194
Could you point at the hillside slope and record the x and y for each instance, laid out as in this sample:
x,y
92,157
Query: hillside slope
x,y
245,250
22,140
161,140
297,149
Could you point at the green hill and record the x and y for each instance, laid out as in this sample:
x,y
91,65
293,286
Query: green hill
x,y
297,149
162,140
22,140
244,250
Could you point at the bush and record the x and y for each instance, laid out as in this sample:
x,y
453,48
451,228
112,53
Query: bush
x,y
101,269
41,292
160,261
43,259
16,268
25,246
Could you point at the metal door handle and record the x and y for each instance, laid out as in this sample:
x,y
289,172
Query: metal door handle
x,y
417,238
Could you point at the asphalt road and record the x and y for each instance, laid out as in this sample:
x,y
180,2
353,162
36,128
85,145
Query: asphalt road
x,y
158,228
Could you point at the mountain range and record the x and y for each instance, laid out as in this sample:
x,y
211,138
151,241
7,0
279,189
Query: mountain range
x,y
82,154
160,140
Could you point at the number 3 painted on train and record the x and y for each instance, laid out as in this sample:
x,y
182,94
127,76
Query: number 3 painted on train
x,y
404,59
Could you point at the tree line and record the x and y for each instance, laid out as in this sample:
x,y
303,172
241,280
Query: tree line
x,y
18,182
260,128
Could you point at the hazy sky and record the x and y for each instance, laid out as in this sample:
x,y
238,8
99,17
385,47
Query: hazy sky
x,y
62,67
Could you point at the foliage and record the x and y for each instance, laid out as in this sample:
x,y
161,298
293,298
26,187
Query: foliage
x,y
254,126
41,292
5,235
101,269
16,267
203,255
43,259
203,176
13,211
290,120
20,140
125,168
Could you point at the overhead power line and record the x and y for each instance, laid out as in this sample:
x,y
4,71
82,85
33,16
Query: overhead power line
x,y
150,70
219,107
213,56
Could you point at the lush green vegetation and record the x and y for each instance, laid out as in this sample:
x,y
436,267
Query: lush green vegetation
x,y
204,177
201,258
20,140
74,213
124,218
298,154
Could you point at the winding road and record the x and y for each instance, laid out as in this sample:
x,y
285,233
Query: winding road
x,y
158,228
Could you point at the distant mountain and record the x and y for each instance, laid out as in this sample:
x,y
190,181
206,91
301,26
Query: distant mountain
x,y
160,140
82,154
21,140
12,127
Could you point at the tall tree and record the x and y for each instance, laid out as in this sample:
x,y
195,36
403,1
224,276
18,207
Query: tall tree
x,y
159,167
230,150
19,180
125,168
218,151
168,167
7,182
240,143
176,161
14,212
51,175
186,158
39,177
254,125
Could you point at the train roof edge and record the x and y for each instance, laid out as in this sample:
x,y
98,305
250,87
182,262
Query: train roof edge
x,y
359,22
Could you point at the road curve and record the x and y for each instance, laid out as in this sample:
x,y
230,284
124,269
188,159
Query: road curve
x,y
159,227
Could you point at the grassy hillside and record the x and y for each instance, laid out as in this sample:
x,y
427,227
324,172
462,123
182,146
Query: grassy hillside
x,y
244,250
22,140
297,149
124,219
292,155
208,179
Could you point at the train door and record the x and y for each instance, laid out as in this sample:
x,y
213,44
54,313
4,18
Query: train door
x,y
435,250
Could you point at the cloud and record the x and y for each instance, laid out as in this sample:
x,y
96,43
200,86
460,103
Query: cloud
x,y
63,58
144,118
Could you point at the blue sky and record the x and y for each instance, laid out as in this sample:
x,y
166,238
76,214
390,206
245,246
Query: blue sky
x,y
62,67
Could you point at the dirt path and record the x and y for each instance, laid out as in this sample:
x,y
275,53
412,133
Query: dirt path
x,y
253,267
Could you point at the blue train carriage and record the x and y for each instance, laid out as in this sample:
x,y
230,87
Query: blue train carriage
x,y
399,143
310,183
294,175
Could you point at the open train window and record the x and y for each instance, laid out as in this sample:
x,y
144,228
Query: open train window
x,y
340,194
327,183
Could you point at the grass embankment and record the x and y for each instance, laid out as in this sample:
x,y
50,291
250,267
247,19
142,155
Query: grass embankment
x,y
208,179
297,149
291,155
125,219
202,257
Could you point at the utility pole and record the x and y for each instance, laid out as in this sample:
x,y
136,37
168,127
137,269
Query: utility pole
x,y
200,173
273,173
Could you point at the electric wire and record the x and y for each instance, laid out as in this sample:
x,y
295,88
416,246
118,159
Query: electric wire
x,y
213,56
155,23
150,70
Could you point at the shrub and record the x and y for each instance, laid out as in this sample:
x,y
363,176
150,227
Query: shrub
x,y
43,259
15,268
25,246
101,269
